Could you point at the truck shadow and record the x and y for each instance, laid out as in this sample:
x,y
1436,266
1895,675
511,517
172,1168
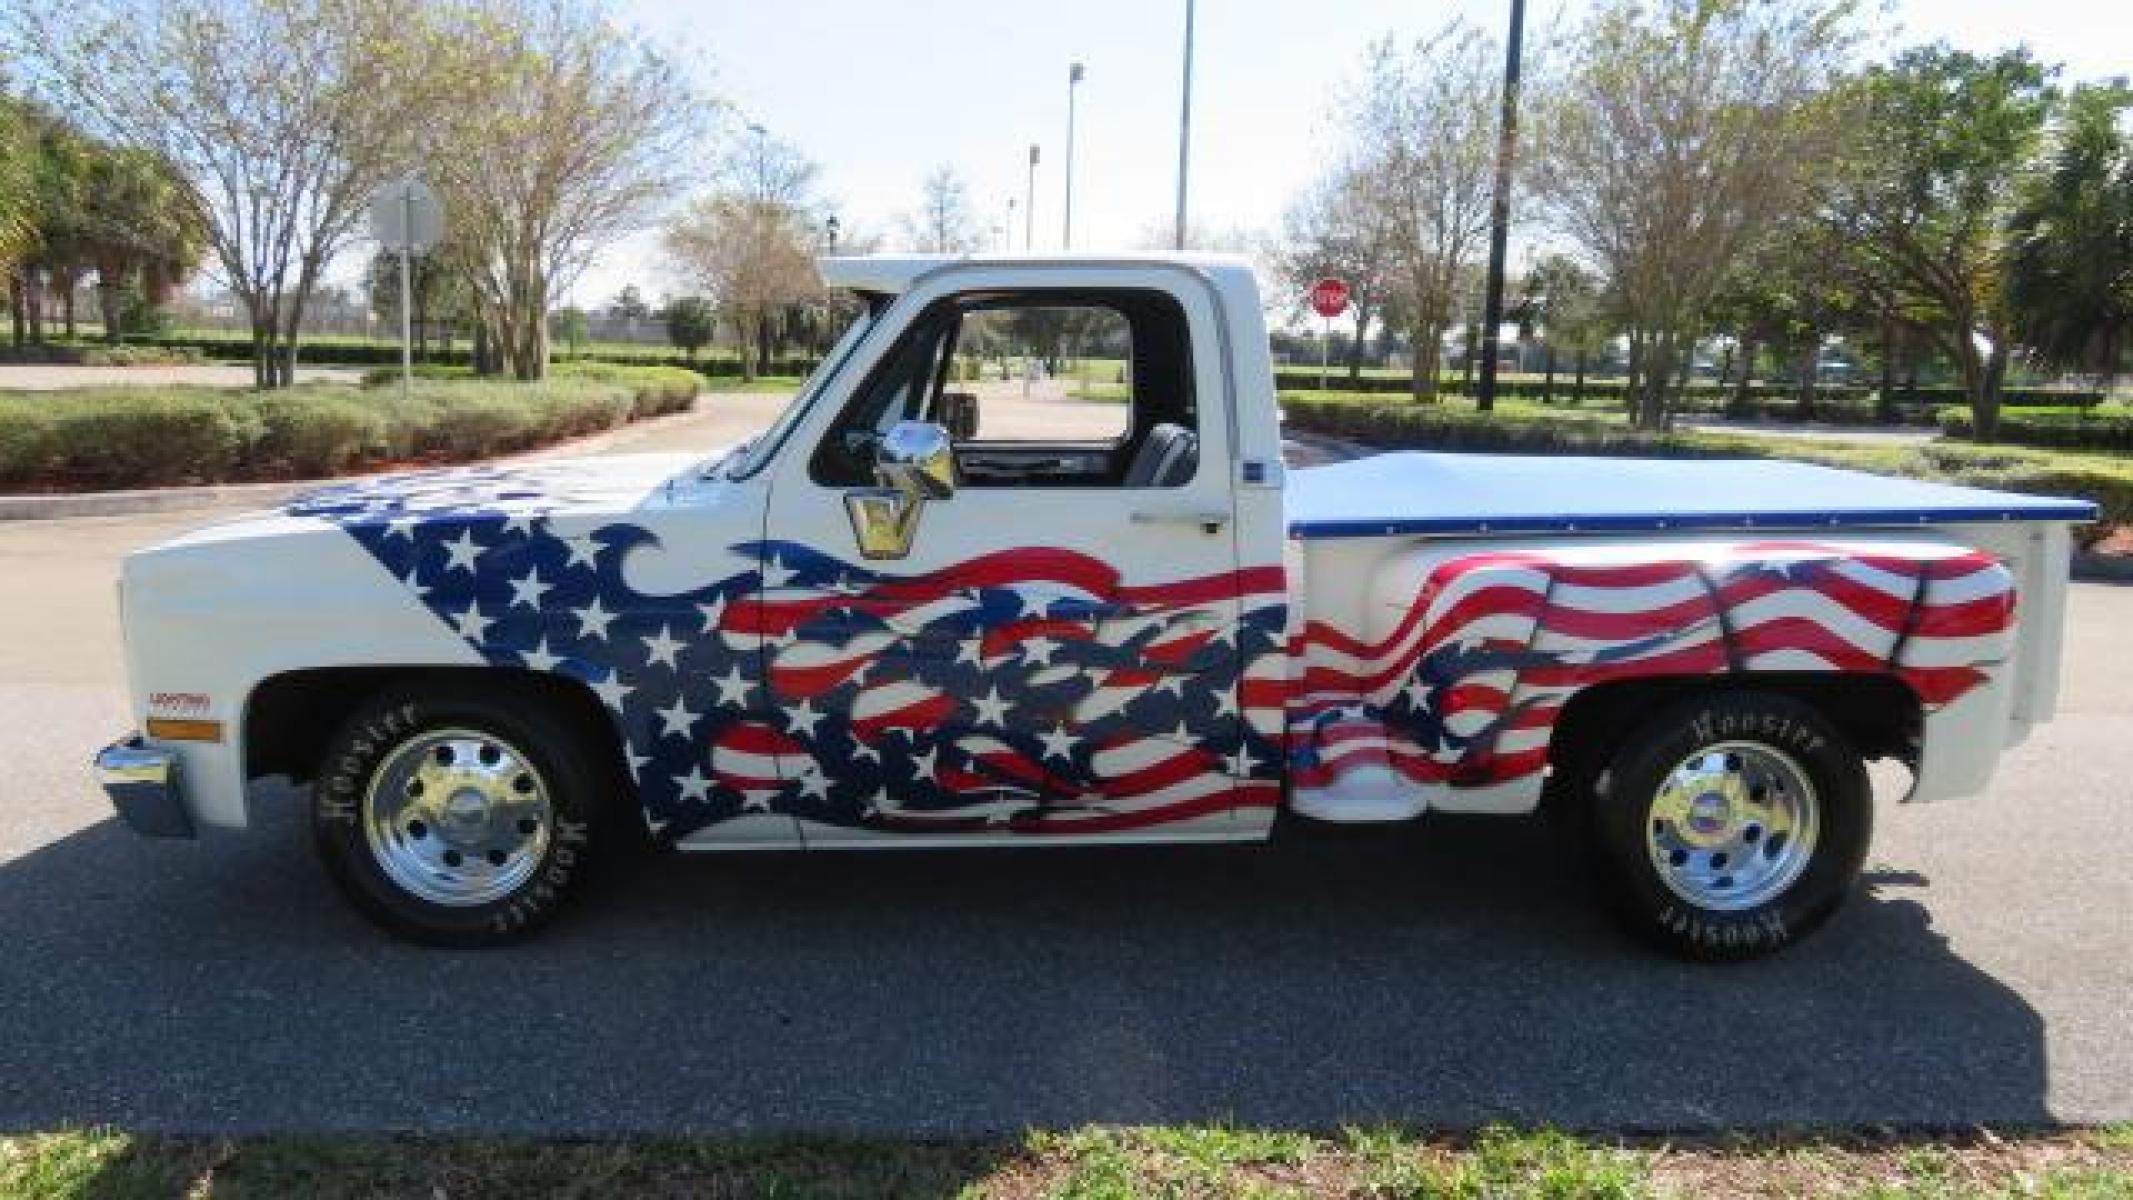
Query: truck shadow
x,y
1448,975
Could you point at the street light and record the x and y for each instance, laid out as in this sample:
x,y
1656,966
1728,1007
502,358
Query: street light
x,y
1066,236
1185,127
1029,216
831,227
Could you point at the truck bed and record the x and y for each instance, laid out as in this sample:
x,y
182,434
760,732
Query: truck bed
x,y
1418,493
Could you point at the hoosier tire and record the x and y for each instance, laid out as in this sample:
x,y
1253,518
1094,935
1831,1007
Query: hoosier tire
x,y
1730,825
457,819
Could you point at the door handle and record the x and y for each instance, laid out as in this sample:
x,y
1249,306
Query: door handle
x,y
1209,522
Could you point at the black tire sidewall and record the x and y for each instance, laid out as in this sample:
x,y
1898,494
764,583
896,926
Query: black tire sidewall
x,y
364,742
1844,798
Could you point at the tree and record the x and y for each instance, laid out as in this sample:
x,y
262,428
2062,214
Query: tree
x,y
280,116
1332,230
690,324
437,289
1928,196
752,244
570,326
629,304
2070,275
564,133
1424,134
1670,142
943,223
137,231
756,258
1565,301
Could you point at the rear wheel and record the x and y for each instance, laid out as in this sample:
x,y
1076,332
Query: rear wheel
x,y
1731,824
457,819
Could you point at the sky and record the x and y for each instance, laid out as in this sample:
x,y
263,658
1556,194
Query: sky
x,y
880,92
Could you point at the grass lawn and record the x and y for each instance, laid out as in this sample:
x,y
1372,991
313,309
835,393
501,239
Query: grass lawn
x,y
1088,1164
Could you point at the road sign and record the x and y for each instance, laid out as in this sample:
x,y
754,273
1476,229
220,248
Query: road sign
x,y
406,216
1329,298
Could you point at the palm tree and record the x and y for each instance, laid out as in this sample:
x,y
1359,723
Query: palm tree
x,y
2070,278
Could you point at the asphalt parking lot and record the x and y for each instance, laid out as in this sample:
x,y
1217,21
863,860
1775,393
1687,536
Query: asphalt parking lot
x,y
1451,973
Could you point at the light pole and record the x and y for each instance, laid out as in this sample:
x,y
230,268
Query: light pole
x,y
1185,127
1066,233
831,227
1500,212
1029,214
1007,229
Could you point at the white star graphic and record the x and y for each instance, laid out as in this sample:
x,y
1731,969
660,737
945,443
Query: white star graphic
x,y
1226,702
714,612
402,526
693,785
755,802
971,651
662,647
472,625
1417,692
863,750
1032,605
460,555
804,718
612,691
1058,743
924,764
1174,684
584,551
528,589
814,784
593,620
880,803
776,574
415,585
1242,764
1183,736
637,761
538,658
521,522
992,710
675,719
733,689
1038,651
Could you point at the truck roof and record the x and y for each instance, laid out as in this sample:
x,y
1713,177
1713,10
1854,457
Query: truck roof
x,y
1391,494
893,274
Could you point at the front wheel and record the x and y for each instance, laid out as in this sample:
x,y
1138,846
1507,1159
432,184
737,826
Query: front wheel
x,y
1732,824
456,819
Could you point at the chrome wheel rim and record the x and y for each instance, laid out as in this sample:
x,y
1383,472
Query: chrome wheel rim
x,y
457,817
1732,826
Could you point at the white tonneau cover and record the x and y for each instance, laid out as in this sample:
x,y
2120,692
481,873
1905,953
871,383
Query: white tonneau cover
x,y
1391,494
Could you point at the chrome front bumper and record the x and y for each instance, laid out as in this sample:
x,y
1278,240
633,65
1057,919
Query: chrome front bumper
x,y
142,782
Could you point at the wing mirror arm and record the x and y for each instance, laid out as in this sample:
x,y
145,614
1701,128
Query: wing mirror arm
x,y
913,462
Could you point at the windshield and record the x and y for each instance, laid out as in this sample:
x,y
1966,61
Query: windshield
x,y
752,455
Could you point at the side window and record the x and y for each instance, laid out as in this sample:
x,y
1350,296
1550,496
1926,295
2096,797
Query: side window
x,y
1053,389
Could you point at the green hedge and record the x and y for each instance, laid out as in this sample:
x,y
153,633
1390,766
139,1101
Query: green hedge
x,y
2107,482
142,437
346,352
1697,397
2096,431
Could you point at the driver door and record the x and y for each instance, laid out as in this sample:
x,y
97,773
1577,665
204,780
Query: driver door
x,y
1044,644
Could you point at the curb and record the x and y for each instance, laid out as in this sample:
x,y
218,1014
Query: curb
x,y
62,505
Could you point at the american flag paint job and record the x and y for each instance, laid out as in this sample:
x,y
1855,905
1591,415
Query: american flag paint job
x,y
1031,691
1465,688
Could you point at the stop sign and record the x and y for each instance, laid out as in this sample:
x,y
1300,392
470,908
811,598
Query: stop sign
x,y
1329,298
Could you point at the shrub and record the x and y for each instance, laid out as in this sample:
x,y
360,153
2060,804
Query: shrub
x,y
317,433
126,437
2098,431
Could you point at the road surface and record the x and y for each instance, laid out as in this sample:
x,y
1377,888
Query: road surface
x,y
1451,973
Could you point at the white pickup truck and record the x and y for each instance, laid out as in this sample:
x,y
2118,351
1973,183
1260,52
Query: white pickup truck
x,y
873,625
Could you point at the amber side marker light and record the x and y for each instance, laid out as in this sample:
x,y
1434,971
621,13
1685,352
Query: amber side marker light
x,y
184,731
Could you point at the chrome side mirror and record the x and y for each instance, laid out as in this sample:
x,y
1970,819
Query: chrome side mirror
x,y
914,462
917,458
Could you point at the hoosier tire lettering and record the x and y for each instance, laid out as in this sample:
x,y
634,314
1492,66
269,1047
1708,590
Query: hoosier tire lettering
x,y
396,728
1832,823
